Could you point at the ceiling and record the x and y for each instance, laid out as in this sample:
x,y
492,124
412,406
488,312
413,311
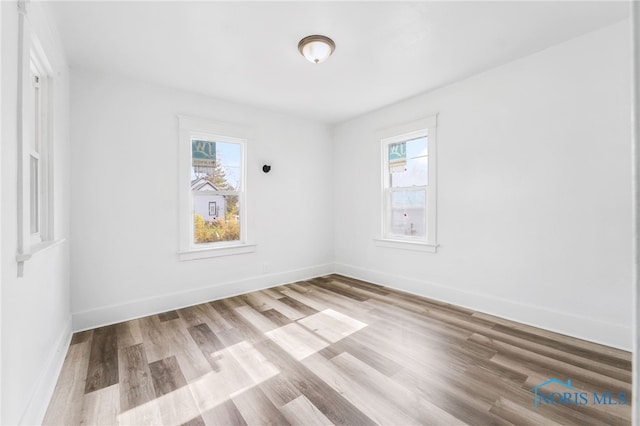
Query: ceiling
x,y
247,52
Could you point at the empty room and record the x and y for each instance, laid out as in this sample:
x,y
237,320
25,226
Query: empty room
x,y
317,213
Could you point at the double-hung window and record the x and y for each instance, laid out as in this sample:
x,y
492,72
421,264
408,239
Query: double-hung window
x,y
38,194
409,186
35,146
213,190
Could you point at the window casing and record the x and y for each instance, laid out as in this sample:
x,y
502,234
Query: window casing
x,y
409,186
35,146
213,214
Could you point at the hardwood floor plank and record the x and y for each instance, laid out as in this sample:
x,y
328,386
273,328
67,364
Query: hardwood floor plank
x,y
276,317
447,398
252,361
136,386
582,361
386,388
594,354
330,403
298,306
371,404
101,407
103,361
147,414
207,341
224,414
301,411
239,324
166,376
128,333
517,415
169,338
196,421
369,287
168,316
257,409
206,313
301,297
280,390
216,387
273,293
372,358
603,353
332,325
344,291
177,407
255,318
65,407
81,337
296,340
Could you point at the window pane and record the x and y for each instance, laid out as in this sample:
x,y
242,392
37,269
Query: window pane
x,y
216,217
415,171
408,213
37,125
217,163
33,189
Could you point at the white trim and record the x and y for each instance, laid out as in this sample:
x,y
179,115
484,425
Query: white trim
x,y
587,328
46,383
142,307
203,253
406,245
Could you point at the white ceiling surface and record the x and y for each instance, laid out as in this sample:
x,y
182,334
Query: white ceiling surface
x,y
247,52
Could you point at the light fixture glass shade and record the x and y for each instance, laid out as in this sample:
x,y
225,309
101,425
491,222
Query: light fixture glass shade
x,y
316,48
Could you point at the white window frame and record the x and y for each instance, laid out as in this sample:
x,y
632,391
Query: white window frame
x,y
33,60
191,127
401,133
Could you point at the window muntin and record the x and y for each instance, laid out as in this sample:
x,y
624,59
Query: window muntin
x,y
216,189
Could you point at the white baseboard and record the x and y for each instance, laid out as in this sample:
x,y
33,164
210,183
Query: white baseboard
x,y
615,335
39,402
142,307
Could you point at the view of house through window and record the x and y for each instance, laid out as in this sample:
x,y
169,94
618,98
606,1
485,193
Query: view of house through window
x,y
215,186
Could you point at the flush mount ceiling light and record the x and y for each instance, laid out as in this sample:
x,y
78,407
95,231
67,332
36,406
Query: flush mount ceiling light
x,y
316,48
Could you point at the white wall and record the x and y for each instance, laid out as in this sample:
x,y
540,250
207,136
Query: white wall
x,y
534,213
36,322
124,134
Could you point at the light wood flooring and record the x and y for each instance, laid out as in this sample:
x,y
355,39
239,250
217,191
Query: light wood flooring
x,y
332,350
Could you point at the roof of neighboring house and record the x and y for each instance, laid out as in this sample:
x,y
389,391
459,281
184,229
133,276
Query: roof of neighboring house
x,y
201,184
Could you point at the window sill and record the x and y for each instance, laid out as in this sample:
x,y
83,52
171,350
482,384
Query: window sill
x,y
406,245
39,248
34,250
203,253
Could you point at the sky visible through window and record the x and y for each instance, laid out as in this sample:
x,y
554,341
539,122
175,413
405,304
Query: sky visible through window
x,y
416,170
227,155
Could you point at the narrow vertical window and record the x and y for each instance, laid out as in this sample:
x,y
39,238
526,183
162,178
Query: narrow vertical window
x,y
213,209
35,94
36,158
409,184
